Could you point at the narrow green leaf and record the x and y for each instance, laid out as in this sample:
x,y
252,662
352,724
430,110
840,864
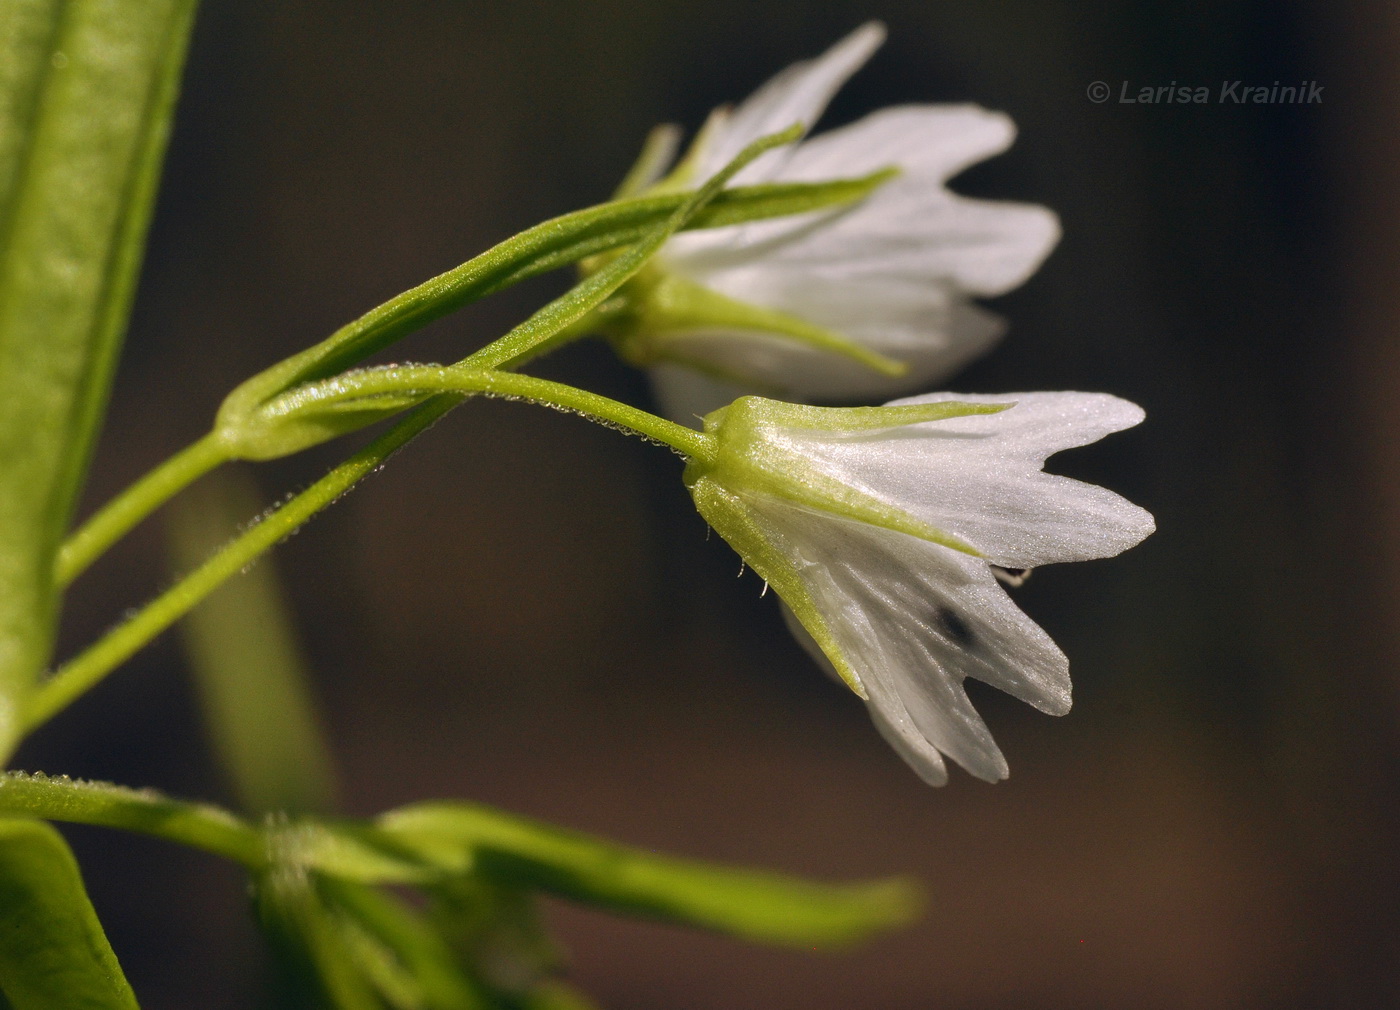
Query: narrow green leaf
x,y
53,952
553,244
748,903
247,662
86,92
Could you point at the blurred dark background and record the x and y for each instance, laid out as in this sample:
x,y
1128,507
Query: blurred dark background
x,y
524,609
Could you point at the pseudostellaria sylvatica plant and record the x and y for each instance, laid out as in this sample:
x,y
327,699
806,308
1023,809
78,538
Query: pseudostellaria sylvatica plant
x,y
835,268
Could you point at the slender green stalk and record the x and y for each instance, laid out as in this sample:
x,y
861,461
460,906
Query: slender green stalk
x,y
451,384
461,379
145,811
115,519
87,669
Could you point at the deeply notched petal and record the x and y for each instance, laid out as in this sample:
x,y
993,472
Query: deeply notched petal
x,y
907,617
915,619
797,95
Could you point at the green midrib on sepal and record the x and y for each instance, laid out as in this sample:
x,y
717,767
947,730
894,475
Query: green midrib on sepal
x,y
661,311
754,458
735,521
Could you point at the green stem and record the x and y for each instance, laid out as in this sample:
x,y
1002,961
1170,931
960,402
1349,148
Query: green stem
x,y
530,338
461,379
90,666
122,513
145,811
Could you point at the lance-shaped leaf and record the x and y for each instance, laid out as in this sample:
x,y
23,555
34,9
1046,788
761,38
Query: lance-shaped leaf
x,y
756,905
86,92
53,952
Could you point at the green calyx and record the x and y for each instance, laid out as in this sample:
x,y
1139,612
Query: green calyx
x,y
755,456
653,315
682,175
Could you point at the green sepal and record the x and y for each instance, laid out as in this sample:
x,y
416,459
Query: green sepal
x,y
802,416
753,460
766,907
736,522
259,435
658,150
53,952
662,309
682,176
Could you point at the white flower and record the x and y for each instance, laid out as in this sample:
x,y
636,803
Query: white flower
x,y
879,527
890,276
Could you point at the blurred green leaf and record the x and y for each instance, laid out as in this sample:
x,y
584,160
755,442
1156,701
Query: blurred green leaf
x,y
755,905
86,93
247,662
317,965
437,980
556,995
497,929
350,947
53,953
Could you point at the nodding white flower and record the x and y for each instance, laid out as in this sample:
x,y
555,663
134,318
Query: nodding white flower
x,y
860,302
880,528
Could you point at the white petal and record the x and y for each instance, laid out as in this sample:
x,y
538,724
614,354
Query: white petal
x,y
934,142
914,619
933,335
797,95
898,730
887,712
979,477
911,229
